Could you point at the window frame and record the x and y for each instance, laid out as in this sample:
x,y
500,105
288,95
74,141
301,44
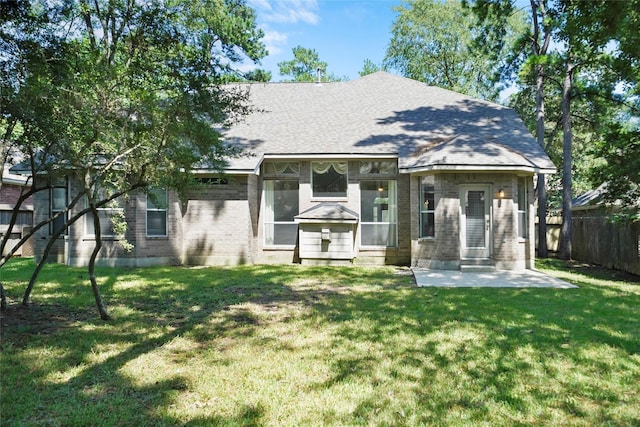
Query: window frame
x,y
392,214
427,186
367,168
156,209
341,196
523,196
281,169
268,224
55,225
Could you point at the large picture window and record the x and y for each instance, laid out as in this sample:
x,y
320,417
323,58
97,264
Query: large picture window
x,y
427,209
522,208
58,197
157,212
281,206
329,179
379,213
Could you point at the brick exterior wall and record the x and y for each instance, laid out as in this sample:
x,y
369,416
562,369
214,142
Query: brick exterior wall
x,y
217,225
507,250
223,225
9,195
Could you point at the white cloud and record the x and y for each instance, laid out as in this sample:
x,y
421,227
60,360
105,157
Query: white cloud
x,y
274,41
287,11
259,4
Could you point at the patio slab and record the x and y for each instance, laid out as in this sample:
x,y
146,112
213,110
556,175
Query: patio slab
x,y
499,279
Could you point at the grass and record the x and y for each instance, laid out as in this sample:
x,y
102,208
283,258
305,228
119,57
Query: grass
x,y
292,345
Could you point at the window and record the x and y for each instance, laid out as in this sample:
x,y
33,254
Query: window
x,y
385,167
379,213
281,206
58,203
522,208
329,179
24,218
427,209
212,181
111,215
282,168
157,212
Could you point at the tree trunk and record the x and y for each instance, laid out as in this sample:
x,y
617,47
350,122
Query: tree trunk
x,y
567,161
102,309
36,272
543,251
3,298
539,49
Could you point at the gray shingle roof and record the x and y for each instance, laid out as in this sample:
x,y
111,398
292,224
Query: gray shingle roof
x,y
383,114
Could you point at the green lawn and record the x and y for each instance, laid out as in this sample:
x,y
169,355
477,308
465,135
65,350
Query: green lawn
x,y
292,345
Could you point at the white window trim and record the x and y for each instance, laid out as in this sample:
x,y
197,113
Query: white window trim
x,y
53,211
364,246
424,184
156,209
340,198
523,234
266,222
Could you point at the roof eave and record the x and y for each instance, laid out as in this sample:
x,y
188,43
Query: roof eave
x,y
476,168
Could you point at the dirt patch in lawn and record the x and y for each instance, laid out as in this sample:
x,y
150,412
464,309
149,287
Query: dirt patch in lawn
x,y
19,322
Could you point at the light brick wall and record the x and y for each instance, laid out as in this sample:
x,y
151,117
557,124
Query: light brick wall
x,y
443,251
217,225
222,224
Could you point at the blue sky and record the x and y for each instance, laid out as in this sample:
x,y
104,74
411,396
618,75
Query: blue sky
x,y
343,32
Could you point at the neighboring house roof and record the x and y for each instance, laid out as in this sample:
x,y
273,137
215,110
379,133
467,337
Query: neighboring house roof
x,y
426,127
595,198
590,199
9,178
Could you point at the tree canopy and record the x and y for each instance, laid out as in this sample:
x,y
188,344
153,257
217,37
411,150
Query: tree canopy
x,y
588,81
305,66
122,94
434,42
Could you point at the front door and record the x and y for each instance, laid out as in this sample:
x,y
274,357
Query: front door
x,y
475,221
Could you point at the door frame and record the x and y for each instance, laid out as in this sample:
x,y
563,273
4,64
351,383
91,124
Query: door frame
x,y
487,251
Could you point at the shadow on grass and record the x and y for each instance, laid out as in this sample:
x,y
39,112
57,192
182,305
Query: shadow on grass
x,y
453,351
497,342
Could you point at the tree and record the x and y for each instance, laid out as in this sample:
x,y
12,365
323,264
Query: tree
x,y
434,42
618,146
258,76
369,67
305,67
582,69
127,93
619,150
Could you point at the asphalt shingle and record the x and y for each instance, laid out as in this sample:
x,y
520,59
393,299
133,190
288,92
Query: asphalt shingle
x,y
383,114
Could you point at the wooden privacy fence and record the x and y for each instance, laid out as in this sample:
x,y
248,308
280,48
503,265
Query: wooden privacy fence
x,y
597,240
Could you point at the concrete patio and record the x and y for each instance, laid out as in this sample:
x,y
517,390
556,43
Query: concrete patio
x,y
498,279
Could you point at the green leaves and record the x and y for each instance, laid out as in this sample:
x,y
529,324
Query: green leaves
x,y
304,66
435,42
132,83
619,148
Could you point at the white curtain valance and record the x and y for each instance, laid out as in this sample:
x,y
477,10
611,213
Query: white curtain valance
x,y
282,168
323,167
382,167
